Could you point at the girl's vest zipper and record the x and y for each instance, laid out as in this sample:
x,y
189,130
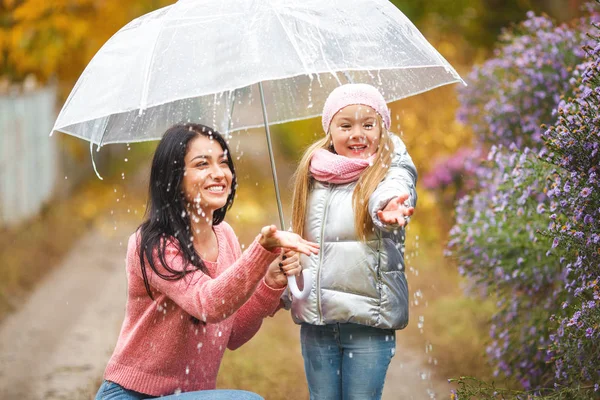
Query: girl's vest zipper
x,y
324,220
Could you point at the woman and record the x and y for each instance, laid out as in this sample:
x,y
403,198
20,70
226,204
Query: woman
x,y
191,291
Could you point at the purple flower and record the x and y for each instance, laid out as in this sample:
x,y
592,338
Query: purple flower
x,y
586,191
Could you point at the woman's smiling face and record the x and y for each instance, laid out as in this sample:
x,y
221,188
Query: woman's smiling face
x,y
355,131
207,177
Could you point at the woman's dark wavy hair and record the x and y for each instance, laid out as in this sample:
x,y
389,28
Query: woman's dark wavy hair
x,y
167,219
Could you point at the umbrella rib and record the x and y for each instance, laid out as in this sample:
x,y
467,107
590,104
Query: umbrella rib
x,y
146,87
231,111
292,40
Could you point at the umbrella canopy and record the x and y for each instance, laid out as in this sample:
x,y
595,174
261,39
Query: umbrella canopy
x,y
200,60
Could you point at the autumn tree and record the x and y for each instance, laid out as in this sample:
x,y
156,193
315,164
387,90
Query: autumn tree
x,y
57,38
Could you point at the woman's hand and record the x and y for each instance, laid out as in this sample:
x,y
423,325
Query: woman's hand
x,y
285,265
271,238
395,212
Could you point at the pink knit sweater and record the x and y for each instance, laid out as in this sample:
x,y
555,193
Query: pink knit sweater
x,y
159,350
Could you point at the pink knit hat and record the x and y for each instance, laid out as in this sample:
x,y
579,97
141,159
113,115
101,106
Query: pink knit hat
x,y
355,93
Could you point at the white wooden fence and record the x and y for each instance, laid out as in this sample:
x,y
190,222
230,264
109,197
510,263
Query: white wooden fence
x,y
28,157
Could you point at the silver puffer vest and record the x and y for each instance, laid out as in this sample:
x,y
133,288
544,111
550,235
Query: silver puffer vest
x,y
362,283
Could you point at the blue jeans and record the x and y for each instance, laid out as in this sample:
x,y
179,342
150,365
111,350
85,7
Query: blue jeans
x,y
346,361
113,391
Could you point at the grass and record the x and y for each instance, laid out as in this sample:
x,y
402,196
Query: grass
x,y
270,364
453,326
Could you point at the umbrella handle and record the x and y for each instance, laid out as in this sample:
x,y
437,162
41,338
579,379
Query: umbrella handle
x,y
301,295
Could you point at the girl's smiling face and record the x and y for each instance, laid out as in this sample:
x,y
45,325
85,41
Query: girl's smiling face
x,y
355,131
207,177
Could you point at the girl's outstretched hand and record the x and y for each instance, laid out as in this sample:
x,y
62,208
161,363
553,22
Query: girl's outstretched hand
x,y
395,212
271,237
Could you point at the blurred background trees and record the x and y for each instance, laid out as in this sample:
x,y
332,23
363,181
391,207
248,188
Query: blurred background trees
x,y
49,42
55,39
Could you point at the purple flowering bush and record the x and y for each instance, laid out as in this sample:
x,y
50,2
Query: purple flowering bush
x,y
453,176
573,145
510,95
530,233
497,246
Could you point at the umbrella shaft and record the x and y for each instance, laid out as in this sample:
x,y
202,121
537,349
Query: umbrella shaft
x,y
271,157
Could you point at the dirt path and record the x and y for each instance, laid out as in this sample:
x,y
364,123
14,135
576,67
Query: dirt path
x,y
410,377
57,345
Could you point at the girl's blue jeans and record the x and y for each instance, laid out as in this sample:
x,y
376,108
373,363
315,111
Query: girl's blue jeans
x,y
346,361
113,391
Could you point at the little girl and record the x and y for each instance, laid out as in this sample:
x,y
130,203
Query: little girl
x,y
191,293
354,192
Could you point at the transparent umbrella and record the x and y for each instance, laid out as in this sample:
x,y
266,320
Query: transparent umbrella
x,y
239,64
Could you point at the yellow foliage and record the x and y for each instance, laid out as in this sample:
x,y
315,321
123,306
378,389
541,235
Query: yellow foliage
x,y
448,48
428,126
57,38
31,10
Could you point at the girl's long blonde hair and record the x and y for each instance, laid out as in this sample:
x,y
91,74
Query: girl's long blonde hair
x,y
365,186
